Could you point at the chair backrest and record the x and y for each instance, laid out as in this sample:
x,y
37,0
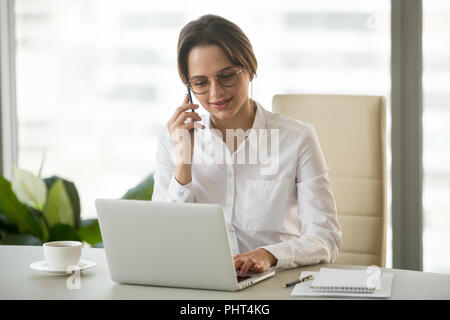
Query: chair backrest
x,y
351,131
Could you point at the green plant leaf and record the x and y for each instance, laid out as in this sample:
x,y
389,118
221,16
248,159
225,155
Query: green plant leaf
x,y
143,191
19,239
72,193
16,212
42,221
59,208
6,226
29,189
62,232
89,231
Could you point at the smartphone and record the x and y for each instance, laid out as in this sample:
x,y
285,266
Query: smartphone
x,y
190,97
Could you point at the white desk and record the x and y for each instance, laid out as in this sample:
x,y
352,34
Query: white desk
x,y
18,281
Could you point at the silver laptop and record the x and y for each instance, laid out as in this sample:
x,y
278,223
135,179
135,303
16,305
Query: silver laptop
x,y
169,244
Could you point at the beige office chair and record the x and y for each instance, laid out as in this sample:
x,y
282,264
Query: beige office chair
x,y
351,131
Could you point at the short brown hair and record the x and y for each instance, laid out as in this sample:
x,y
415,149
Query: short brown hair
x,y
214,30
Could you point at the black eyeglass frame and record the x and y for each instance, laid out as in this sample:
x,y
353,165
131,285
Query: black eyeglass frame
x,y
188,83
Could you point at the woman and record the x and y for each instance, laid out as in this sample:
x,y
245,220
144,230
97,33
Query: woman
x,y
282,216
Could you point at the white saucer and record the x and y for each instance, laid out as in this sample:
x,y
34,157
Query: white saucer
x,y
45,268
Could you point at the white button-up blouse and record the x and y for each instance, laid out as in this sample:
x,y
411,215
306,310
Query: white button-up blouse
x,y
274,189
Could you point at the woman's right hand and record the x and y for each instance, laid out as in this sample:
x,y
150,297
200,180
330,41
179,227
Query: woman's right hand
x,y
182,136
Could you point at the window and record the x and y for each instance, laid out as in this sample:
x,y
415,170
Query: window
x,y
436,136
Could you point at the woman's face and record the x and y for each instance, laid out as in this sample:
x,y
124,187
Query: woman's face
x,y
208,61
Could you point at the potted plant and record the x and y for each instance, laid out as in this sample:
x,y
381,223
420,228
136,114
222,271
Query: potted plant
x,y
35,210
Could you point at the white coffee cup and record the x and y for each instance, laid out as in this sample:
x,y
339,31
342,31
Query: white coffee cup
x,y
62,254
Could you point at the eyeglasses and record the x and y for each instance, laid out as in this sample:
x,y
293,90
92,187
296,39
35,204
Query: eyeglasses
x,y
227,78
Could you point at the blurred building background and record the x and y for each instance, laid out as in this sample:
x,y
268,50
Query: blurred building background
x,y
436,135
97,81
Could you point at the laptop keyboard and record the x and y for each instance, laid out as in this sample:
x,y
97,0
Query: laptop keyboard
x,y
239,279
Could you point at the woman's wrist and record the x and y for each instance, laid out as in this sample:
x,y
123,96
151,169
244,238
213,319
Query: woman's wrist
x,y
183,173
271,258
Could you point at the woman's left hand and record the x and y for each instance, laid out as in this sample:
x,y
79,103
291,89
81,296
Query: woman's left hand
x,y
258,260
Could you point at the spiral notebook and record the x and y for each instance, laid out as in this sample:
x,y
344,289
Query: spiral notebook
x,y
345,283
340,280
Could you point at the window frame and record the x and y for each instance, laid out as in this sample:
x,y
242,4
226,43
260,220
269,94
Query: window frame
x,y
8,112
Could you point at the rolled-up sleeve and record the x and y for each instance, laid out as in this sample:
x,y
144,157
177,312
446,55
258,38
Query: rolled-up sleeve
x,y
166,187
320,240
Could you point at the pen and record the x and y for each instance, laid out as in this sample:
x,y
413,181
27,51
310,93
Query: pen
x,y
298,281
